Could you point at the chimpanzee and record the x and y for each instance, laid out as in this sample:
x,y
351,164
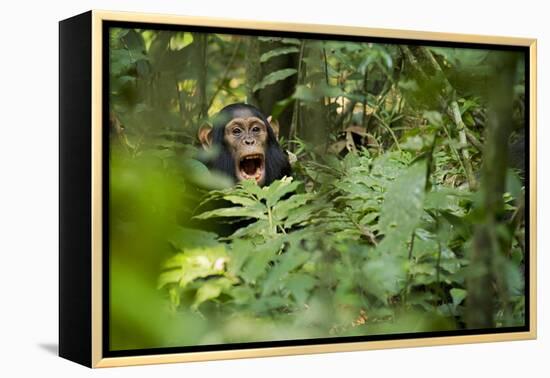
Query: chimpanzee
x,y
246,145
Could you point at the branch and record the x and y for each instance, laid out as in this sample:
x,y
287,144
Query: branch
x,y
461,127
294,124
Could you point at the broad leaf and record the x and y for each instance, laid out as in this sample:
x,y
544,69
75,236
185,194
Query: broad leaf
x,y
211,289
300,285
274,77
282,51
458,296
402,207
278,189
288,262
193,264
259,261
257,211
283,208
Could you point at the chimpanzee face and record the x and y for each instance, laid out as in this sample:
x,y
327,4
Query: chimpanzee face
x,y
246,145
246,139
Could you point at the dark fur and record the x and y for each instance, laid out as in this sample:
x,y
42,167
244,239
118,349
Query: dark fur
x,y
276,160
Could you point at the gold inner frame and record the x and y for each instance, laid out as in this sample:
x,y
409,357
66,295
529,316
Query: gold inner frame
x,y
96,128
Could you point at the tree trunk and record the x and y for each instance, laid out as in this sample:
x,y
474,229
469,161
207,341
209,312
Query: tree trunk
x,y
253,71
201,106
486,247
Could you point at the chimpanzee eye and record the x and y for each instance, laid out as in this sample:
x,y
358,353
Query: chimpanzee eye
x,y
236,131
255,129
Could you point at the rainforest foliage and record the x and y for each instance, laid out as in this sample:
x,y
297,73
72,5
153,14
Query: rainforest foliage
x,y
404,212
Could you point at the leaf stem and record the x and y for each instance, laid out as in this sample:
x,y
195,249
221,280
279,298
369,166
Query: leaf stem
x,y
272,230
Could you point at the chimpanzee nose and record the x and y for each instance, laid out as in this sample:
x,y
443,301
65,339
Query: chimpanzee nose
x,y
249,141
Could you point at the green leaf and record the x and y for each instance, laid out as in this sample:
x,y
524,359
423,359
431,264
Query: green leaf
x,y
463,58
257,211
457,295
274,77
269,39
280,106
266,304
414,143
242,295
434,118
122,60
193,264
186,238
302,214
240,252
281,51
286,263
403,206
408,85
288,41
240,200
259,261
427,269
256,230
513,183
299,285
441,198
515,281
330,91
209,290
282,209
181,40
134,42
250,186
168,277
278,189
385,276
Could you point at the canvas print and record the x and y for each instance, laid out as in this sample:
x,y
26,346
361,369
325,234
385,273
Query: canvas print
x,y
271,189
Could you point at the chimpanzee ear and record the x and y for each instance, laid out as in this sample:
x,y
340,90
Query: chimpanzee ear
x,y
205,135
274,126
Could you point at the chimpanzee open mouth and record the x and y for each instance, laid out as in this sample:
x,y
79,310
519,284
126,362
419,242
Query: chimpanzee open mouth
x,y
252,167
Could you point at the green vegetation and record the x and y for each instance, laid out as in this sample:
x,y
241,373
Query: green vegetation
x,y
404,213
